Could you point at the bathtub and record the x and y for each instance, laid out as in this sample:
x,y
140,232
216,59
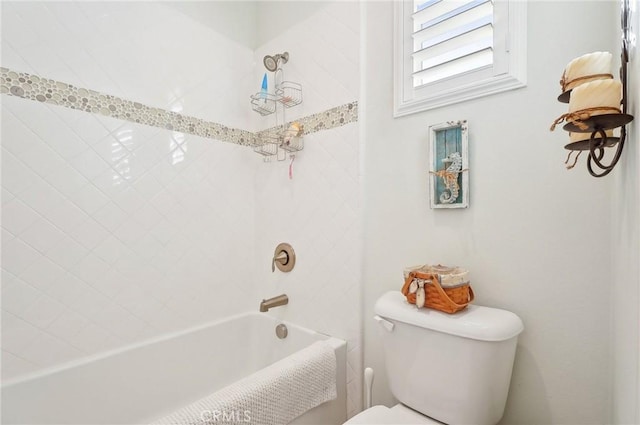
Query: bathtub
x,y
146,381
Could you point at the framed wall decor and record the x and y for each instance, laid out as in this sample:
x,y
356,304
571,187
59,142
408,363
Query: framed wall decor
x,y
449,165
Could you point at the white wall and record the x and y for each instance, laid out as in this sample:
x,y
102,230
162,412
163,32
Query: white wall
x,y
318,211
112,231
276,17
236,20
535,236
625,252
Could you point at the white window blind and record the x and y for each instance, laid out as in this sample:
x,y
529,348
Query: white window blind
x,y
450,37
448,51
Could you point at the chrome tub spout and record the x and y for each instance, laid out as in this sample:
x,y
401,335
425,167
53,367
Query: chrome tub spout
x,y
265,305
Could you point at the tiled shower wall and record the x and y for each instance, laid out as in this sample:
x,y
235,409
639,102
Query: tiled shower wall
x,y
114,231
318,211
142,51
111,233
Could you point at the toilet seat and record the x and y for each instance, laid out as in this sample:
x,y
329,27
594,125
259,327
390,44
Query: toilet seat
x,y
398,414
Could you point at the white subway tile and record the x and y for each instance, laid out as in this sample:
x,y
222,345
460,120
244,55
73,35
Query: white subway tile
x,y
16,28
91,74
91,300
92,339
89,198
37,14
164,172
110,182
42,235
147,186
16,177
47,350
131,266
129,232
17,296
67,325
67,216
146,158
67,253
67,180
129,200
42,159
123,324
131,168
86,125
146,247
133,136
112,283
6,197
89,233
17,256
90,268
89,164
54,132
147,216
17,217
68,289
42,197
110,250
14,366
110,216
42,274
16,137
16,333
11,58
110,150
43,312
162,143
163,231
163,201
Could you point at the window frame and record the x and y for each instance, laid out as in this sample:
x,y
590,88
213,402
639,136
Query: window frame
x,y
510,63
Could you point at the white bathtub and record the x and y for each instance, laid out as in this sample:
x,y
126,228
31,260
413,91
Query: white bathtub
x,y
146,381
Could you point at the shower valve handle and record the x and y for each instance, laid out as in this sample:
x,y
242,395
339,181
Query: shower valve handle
x,y
282,258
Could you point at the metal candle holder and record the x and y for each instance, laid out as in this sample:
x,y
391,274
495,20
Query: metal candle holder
x,y
598,124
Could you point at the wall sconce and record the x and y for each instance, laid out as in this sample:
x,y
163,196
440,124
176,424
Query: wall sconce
x,y
597,103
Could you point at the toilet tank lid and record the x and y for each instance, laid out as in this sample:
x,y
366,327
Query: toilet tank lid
x,y
474,322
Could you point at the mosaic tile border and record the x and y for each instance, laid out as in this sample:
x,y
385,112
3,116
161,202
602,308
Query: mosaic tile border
x,y
331,118
34,87
39,89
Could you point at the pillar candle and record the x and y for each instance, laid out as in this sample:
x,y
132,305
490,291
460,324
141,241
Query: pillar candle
x,y
586,68
599,93
577,137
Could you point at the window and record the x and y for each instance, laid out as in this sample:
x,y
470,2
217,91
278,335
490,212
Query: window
x,y
449,51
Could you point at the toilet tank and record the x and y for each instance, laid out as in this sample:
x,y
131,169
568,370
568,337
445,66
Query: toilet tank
x,y
455,368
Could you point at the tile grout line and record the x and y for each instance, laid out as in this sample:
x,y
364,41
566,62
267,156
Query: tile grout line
x,y
36,88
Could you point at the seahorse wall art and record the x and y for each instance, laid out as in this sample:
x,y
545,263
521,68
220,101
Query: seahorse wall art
x,y
449,177
449,165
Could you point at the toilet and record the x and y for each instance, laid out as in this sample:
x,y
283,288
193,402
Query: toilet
x,y
444,368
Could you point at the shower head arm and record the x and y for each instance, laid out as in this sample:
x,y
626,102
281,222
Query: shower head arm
x,y
284,57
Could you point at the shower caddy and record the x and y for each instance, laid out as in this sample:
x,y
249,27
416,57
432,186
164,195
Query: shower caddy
x,y
281,139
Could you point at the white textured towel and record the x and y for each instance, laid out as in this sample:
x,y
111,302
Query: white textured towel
x,y
274,395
